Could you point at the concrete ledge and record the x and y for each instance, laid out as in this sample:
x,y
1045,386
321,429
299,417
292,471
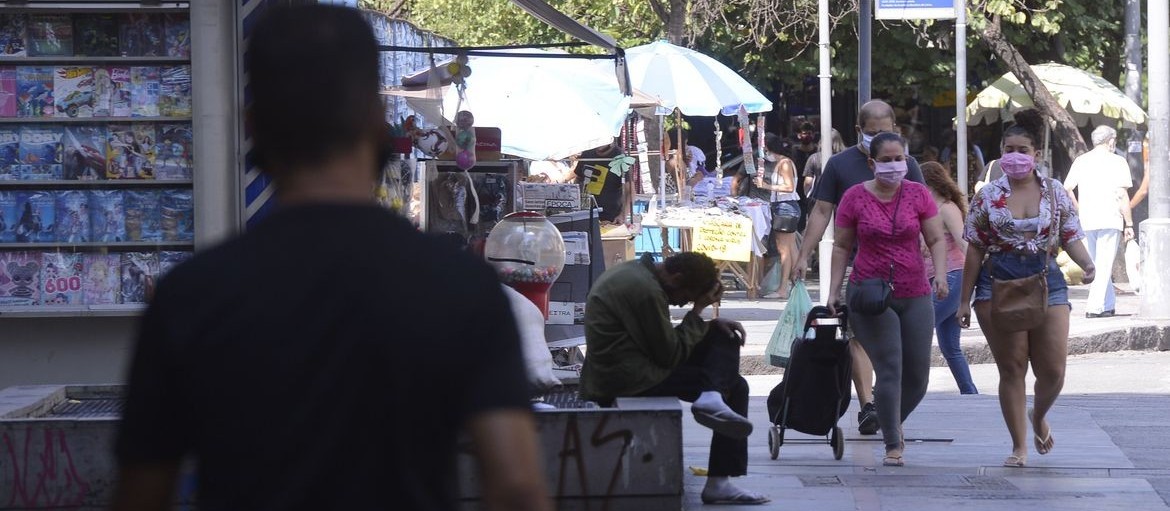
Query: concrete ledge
x,y
1137,336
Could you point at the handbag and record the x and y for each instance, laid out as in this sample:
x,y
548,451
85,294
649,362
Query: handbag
x,y
872,296
1019,305
785,223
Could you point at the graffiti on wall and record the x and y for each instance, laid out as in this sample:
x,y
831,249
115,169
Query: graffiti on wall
x,y
37,470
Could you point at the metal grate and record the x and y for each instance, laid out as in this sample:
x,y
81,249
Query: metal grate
x,y
87,408
566,397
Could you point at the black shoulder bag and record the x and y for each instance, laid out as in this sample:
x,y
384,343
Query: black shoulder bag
x,y
872,296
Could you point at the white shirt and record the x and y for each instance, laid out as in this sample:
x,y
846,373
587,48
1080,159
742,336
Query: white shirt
x,y
1097,175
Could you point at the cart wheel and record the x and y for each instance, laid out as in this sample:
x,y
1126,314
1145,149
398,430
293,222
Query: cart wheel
x,y
837,440
773,442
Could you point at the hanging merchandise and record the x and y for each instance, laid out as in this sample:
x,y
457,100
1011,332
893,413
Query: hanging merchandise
x,y
464,140
745,141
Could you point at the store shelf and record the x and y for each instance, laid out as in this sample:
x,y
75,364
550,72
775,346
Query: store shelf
x,y
88,120
119,246
94,183
68,311
80,59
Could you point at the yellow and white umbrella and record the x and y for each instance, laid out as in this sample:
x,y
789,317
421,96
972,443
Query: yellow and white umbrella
x,y
1090,99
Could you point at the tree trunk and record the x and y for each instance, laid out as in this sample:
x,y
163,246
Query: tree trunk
x,y
677,24
1066,128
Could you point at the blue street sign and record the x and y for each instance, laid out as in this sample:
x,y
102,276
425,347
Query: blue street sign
x,y
914,9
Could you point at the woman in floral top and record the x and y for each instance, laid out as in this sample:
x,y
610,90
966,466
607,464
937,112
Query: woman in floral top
x,y
1010,223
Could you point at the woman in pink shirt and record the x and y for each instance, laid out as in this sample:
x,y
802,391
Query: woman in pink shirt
x,y
884,217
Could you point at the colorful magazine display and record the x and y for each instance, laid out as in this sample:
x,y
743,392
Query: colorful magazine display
x,y
177,216
36,220
178,33
84,148
20,278
107,216
120,92
40,152
138,273
13,34
173,158
50,35
73,216
143,215
175,91
34,91
62,274
8,93
130,151
145,88
102,276
168,260
142,36
9,153
73,91
96,35
9,214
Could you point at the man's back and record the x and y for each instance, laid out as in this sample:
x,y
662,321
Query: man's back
x,y
314,363
1097,175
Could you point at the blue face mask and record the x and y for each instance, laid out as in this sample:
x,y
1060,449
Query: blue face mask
x,y
866,139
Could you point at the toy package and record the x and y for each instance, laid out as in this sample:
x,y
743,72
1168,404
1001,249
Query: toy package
x,y
9,214
9,152
142,36
119,91
84,148
167,260
61,278
34,91
143,216
96,35
144,91
13,33
100,284
41,152
175,95
173,158
107,216
20,278
73,216
8,92
137,276
130,151
50,35
73,91
178,32
177,216
36,217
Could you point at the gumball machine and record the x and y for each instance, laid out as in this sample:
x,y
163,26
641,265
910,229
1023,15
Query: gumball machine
x,y
528,253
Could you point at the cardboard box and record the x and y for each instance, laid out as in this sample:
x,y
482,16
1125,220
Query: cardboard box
x,y
617,250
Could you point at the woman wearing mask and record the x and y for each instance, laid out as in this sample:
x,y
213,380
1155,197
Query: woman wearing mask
x,y
952,207
1012,223
778,178
884,217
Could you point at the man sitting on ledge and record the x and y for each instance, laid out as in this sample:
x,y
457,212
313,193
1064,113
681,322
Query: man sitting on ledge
x,y
634,350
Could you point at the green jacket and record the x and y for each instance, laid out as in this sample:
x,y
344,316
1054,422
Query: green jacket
x,y
631,344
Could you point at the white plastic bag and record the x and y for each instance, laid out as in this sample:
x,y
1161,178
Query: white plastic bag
x,y
1133,270
790,326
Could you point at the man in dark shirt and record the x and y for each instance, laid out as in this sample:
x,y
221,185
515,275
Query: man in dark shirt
x,y
313,362
843,171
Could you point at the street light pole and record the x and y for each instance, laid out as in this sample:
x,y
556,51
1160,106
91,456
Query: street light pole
x,y
1155,232
825,249
961,92
864,51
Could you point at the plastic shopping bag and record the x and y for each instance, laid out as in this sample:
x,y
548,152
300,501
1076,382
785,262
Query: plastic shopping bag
x,y
789,327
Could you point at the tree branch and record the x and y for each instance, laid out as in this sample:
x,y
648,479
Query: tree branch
x,y
660,10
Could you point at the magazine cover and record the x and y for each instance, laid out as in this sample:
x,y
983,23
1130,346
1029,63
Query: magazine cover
x,y
40,152
178,32
142,36
9,214
167,260
119,91
96,35
143,215
8,92
130,151
20,278
36,217
144,91
175,94
107,216
73,216
73,91
13,35
50,35
61,278
84,148
143,161
9,152
173,158
34,91
100,284
177,217
137,276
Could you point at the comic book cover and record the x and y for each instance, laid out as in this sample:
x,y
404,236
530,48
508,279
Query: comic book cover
x,y
100,284
138,273
143,215
130,151
173,157
73,91
107,216
20,278
119,91
84,147
178,33
175,92
141,35
13,34
9,214
50,35
9,153
96,35
40,152
144,91
168,259
145,140
61,278
34,91
8,92
36,217
73,216
178,218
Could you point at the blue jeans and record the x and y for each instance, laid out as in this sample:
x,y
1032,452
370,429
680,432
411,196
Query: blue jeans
x,y
1014,265
1102,245
946,327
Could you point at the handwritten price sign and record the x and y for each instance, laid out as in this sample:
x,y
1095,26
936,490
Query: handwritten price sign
x,y
724,238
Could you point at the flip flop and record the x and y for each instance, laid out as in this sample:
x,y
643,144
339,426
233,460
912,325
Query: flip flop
x,y
893,461
1014,461
1043,445
725,422
742,498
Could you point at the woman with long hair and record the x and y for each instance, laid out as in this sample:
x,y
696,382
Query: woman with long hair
x,y
778,178
1012,223
952,207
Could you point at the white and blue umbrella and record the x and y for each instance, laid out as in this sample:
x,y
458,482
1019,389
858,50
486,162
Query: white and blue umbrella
x,y
691,81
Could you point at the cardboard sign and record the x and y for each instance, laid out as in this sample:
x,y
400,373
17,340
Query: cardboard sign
x,y
576,247
550,196
724,238
487,144
566,313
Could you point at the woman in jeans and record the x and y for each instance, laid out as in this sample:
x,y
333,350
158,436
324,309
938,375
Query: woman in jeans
x,y
1011,222
952,207
884,217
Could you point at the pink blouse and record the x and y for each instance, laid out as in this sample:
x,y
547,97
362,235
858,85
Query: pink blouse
x,y
877,248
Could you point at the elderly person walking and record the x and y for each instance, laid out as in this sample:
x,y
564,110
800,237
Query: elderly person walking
x,y
884,218
1013,222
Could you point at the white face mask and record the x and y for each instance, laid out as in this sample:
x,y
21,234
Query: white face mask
x,y
866,139
771,157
